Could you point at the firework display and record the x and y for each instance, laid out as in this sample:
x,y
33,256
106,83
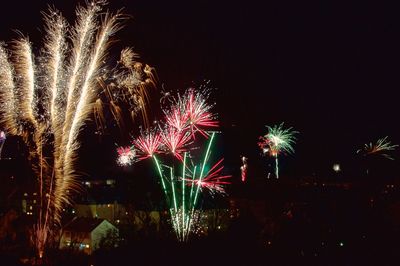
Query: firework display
x,y
175,141
188,115
277,140
243,168
126,155
2,140
382,147
48,98
212,180
191,112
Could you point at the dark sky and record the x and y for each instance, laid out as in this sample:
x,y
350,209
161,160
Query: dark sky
x,y
330,69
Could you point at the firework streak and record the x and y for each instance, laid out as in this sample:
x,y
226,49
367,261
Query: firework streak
x,y
381,147
2,140
48,99
243,168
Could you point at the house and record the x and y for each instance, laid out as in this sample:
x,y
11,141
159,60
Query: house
x,y
86,234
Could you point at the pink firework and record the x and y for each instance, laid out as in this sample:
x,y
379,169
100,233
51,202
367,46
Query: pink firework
x,y
126,155
212,181
176,117
264,144
175,141
198,112
148,144
243,168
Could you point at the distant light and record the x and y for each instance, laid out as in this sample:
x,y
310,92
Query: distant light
x,y
336,167
341,244
87,246
110,181
73,211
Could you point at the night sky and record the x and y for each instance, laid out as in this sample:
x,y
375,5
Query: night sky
x,y
330,69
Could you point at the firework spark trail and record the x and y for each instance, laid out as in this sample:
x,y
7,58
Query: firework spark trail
x,y
243,168
277,140
7,97
183,194
212,180
25,70
2,140
55,48
202,168
381,147
175,210
81,42
84,108
135,78
198,112
82,35
201,177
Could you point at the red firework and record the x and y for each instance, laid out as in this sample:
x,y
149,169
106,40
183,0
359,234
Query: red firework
x,y
266,147
243,168
126,155
176,118
175,141
198,112
212,181
148,143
